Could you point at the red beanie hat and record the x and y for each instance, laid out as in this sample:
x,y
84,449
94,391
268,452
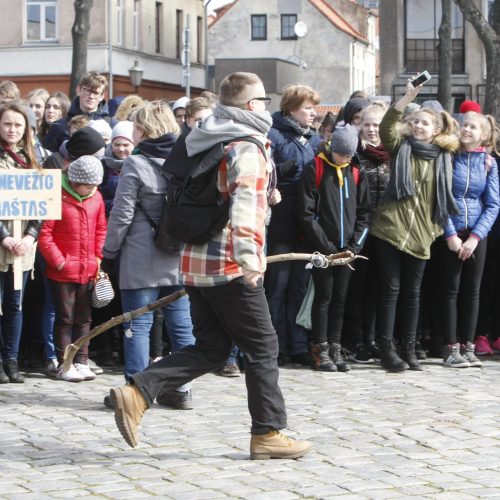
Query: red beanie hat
x,y
469,106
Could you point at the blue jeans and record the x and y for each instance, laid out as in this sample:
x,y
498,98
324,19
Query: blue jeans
x,y
177,318
12,315
48,312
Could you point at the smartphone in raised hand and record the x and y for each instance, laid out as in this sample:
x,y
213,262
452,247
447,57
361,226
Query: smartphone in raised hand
x,y
421,78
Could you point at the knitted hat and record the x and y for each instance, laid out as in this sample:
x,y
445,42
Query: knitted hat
x,y
180,103
86,170
344,140
85,141
469,106
353,106
123,130
432,104
101,126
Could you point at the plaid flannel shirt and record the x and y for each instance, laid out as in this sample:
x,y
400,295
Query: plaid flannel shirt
x,y
243,177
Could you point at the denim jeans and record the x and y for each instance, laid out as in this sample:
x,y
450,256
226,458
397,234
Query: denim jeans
x,y
222,315
48,312
12,315
177,318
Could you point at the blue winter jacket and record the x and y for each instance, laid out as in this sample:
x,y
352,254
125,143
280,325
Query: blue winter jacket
x,y
289,146
475,189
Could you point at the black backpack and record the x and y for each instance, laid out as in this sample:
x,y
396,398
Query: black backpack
x,y
194,209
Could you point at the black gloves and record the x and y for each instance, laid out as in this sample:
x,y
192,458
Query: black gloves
x,y
288,168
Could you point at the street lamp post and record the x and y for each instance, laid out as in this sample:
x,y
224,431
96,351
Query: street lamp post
x,y
135,73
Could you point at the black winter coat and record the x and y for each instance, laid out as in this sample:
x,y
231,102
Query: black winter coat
x,y
334,218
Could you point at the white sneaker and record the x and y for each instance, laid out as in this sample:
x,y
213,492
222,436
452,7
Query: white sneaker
x,y
85,371
51,368
93,366
72,375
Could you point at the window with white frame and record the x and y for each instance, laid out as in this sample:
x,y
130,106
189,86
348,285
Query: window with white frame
x,y
119,22
41,20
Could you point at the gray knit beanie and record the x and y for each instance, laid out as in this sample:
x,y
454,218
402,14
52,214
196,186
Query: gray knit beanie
x,y
345,140
86,170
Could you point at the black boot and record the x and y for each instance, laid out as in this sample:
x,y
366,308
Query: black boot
x,y
321,358
12,371
389,359
408,354
337,358
3,376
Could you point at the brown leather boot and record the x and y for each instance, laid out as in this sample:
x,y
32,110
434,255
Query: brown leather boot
x,y
274,444
129,405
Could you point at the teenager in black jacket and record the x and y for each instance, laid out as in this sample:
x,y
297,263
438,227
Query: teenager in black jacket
x,y
334,211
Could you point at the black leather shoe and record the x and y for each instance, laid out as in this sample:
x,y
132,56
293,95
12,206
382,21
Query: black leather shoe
x,y
12,370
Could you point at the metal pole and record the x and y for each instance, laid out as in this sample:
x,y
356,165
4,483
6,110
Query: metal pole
x,y
206,44
187,57
110,52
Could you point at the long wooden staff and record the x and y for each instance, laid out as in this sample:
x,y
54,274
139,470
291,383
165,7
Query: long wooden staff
x,y
126,317
315,260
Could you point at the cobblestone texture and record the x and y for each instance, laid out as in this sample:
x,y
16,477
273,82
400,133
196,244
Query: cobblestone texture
x,y
432,434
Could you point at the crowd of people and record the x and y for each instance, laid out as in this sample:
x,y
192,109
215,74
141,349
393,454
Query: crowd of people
x,y
410,187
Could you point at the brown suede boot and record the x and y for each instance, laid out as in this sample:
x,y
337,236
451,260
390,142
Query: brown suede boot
x,y
274,444
129,405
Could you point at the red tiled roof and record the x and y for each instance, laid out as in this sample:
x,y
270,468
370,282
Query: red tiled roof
x,y
219,13
322,109
327,10
337,20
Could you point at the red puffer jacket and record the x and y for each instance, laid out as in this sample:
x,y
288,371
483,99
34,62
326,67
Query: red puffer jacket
x,y
77,239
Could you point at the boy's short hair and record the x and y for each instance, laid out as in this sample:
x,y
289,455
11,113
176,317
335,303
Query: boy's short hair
x,y
9,90
94,80
238,88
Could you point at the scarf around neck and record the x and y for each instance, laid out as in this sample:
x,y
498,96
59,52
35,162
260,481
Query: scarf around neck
x,y
19,159
261,121
338,168
401,184
376,154
290,120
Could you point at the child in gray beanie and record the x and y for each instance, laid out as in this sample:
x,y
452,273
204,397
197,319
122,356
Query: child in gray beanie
x,y
333,209
72,249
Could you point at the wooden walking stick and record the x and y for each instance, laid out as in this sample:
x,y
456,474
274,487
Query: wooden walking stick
x,y
315,260
126,317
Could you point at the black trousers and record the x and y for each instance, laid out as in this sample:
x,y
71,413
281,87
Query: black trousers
x,y
488,323
327,313
400,280
222,315
462,278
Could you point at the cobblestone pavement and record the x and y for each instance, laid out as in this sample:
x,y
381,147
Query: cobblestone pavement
x,y
432,434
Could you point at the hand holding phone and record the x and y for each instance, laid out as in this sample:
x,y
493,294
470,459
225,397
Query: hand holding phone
x,y
421,78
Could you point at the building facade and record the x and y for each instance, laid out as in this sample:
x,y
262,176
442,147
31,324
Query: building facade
x,y
36,44
336,56
408,45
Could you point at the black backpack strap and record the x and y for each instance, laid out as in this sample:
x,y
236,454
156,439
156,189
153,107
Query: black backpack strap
x,y
249,138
